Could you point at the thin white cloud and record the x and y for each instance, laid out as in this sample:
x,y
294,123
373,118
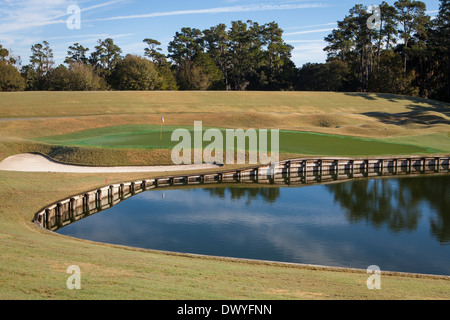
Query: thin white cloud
x,y
304,54
23,15
30,24
308,31
304,41
304,48
101,5
94,35
230,9
433,14
30,14
312,26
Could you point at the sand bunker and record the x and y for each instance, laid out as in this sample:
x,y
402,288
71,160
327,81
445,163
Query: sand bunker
x,y
36,163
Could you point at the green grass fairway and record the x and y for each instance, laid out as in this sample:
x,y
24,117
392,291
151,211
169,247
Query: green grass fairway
x,y
295,142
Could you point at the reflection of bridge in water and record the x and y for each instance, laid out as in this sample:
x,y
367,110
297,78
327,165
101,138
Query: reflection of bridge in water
x,y
286,173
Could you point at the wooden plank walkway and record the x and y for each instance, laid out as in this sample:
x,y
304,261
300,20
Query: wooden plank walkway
x,y
291,172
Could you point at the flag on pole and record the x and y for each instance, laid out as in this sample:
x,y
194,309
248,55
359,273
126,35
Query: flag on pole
x,y
162,121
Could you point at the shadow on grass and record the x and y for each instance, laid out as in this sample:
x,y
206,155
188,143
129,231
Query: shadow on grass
x,y
423,111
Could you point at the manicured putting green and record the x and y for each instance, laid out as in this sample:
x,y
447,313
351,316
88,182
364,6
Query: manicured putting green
x,y
149,136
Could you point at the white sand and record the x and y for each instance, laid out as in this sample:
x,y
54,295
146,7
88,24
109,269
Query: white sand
x,y
36,163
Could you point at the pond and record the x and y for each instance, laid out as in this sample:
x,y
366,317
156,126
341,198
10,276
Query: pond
x,y
400,224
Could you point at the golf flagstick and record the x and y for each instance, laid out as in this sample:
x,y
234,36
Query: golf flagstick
x,y
162,121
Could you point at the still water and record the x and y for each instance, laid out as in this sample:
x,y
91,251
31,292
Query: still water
x,y
399,224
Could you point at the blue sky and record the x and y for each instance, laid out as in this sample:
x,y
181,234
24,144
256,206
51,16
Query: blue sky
x,y
305,22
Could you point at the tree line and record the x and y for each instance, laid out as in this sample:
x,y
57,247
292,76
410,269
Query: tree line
x,y
407,54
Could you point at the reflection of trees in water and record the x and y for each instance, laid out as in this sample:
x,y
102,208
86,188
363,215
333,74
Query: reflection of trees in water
x,y
268,194
396,202
379,202
435,191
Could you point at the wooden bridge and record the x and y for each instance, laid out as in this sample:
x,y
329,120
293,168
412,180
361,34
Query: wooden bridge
x,y
291,172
